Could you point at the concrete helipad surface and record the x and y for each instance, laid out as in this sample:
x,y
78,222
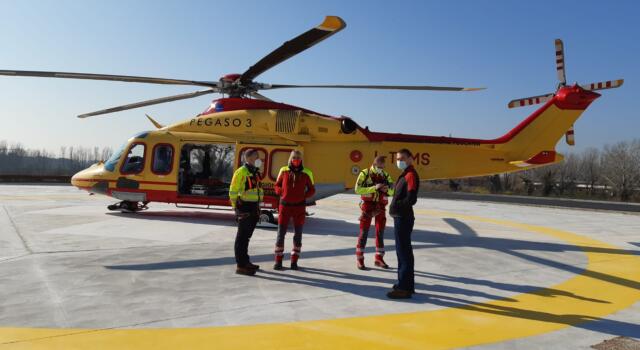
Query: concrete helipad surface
x,y
73,275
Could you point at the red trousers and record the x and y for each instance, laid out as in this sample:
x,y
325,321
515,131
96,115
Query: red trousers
x,y
286,214
371,210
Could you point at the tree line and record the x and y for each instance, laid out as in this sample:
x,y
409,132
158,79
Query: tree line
x,y
15,159
612,172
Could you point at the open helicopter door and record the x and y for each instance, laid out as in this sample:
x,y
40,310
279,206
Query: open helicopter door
x,y
206,169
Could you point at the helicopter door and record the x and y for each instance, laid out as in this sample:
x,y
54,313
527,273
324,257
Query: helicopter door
x,y
206,169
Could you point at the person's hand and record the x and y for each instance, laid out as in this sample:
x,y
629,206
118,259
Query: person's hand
x,y
242,216
379,187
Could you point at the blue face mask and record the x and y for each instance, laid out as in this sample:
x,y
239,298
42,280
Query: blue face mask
x,y
401,164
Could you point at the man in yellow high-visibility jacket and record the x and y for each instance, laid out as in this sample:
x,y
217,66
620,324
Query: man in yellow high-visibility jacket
x,y
245,194
373,185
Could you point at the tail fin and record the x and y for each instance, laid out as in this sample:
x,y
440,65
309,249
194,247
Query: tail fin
x,y
542,130
536,137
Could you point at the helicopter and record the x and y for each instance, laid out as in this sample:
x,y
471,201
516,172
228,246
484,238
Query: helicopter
x,y
191,162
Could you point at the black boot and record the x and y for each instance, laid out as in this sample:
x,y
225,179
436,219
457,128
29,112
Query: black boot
x,y
278,266
294,265
245,271
399,294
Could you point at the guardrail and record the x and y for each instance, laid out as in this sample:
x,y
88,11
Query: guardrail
x,y
536,201
58,179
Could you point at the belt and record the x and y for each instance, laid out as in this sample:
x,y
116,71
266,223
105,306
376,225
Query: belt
x,y
292,204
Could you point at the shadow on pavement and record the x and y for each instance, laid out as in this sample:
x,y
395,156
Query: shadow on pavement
x,y
360,284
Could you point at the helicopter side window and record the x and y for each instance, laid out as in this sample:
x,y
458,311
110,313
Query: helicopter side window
x,y
162,159
279,158
134,161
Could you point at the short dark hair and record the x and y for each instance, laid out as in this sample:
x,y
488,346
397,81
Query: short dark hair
x,y
406,152
249,152
381,159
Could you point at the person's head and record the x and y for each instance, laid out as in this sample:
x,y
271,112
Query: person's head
x,y
295,158
404,159
379,163
251,157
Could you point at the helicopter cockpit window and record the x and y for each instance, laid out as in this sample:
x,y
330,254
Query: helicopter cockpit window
x,y
162,159
134,162
110,164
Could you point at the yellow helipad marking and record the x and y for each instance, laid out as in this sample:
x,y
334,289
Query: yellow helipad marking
x,y
608,284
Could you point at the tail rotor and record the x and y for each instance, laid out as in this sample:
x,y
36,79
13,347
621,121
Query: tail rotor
x,y
562,82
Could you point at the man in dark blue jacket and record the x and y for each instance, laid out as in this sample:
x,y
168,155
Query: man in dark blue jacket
x,y
401,209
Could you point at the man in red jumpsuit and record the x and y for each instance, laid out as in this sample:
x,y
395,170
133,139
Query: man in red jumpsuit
x,y
294,186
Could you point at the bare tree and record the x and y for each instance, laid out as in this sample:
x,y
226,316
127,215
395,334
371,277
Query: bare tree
x,y
590,169
106,153
547,178
621,168
567,174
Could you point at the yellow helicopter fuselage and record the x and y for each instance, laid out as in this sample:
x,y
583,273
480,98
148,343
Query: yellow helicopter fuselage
x,y
192,161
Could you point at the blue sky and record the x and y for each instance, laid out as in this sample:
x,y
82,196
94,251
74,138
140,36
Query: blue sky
x,y
506,46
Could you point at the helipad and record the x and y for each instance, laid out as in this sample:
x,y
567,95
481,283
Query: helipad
x,y
73,275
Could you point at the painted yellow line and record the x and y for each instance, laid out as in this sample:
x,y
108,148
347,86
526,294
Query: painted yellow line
x,y
608,284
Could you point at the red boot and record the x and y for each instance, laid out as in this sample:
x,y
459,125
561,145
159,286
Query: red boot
x,y
294,262
380,262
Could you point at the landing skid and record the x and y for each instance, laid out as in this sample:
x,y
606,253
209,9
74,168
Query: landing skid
x,y
128,206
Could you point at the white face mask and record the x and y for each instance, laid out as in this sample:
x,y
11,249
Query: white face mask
x,y
258,163
401,164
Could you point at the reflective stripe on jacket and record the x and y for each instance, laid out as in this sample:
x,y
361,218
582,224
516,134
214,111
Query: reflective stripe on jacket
x,y
245,186
366,185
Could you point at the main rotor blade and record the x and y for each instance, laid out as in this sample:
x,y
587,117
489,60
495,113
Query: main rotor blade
x,y
330,26
521,102
150,102
376,87
91,76
258,96
610,84
560,62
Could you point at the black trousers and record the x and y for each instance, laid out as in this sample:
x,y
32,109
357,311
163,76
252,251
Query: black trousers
x,y
403,226
248,216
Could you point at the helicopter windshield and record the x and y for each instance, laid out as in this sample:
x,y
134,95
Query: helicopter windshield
x,y
110,165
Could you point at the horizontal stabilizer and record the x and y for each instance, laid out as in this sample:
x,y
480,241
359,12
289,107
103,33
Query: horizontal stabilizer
x,y
544,157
